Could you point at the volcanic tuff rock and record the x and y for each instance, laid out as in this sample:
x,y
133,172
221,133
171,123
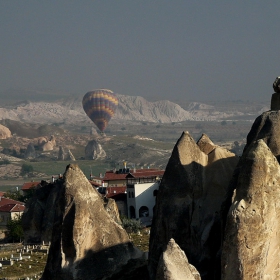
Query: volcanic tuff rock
x,y
252,242
30,151
174,265
65,155
94,150
188,204
267,127
86,242
4,132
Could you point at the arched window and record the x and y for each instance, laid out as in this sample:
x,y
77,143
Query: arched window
x,y
143,211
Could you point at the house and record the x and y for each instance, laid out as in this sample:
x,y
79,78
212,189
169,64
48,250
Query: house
x,y
134,191
141,196
26,187
9,209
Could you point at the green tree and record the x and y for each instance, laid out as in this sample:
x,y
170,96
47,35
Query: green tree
x,y
15,230
26,168
16,195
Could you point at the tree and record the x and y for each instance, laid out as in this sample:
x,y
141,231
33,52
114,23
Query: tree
x,y
26,168
15,195
15,230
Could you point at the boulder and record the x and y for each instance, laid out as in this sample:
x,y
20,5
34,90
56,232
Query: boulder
x,y
5,132
94,150
251,243
174,265
86,242
188,203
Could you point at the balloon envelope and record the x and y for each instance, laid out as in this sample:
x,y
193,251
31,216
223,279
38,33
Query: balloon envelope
x,y
100,106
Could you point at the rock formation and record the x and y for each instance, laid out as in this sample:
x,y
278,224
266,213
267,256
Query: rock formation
x,y
275,99
47,146
86,243
188,203
65,155
205,144
251,236
30,151
266,127
5,132
94,150
174,265
39,215
42,140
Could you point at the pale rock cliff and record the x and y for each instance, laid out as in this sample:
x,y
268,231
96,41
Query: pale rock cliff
x,y
252,244
86,242
5,132
188,203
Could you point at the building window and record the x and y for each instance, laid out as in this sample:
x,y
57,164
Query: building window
x,y
155,192
132,194
144,211
129,194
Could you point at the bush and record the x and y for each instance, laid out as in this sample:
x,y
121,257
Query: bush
x,y
4,162
15,230
26,168
131,225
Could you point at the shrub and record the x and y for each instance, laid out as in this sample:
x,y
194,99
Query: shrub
x,y
131,225
15,231
5,161
26,168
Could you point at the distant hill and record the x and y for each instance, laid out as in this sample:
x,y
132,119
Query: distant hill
x,y
68,110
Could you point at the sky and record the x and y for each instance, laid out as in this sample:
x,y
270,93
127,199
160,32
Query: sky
x,y
175,50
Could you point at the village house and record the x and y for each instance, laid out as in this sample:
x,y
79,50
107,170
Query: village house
x,y
9,210
134,191
27,186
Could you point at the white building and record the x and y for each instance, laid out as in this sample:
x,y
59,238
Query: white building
x,y
141,198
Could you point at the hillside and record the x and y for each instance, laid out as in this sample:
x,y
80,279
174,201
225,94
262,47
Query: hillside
x,y
130,108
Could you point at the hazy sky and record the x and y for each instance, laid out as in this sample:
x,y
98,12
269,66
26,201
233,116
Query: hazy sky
x,y
176,50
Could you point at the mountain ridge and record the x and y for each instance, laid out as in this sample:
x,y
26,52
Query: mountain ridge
x,y
130,108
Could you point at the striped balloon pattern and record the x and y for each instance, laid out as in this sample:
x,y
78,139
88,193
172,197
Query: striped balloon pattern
x,y
100,106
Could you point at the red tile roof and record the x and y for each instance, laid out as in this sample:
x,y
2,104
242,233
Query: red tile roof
x,y
5,201
29,185
12,208
112,191
140,173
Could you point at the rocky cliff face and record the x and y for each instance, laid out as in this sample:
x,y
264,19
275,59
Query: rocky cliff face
x,y
188,203
251,236
86,242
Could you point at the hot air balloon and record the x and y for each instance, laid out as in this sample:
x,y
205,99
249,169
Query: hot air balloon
x,y
100,106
